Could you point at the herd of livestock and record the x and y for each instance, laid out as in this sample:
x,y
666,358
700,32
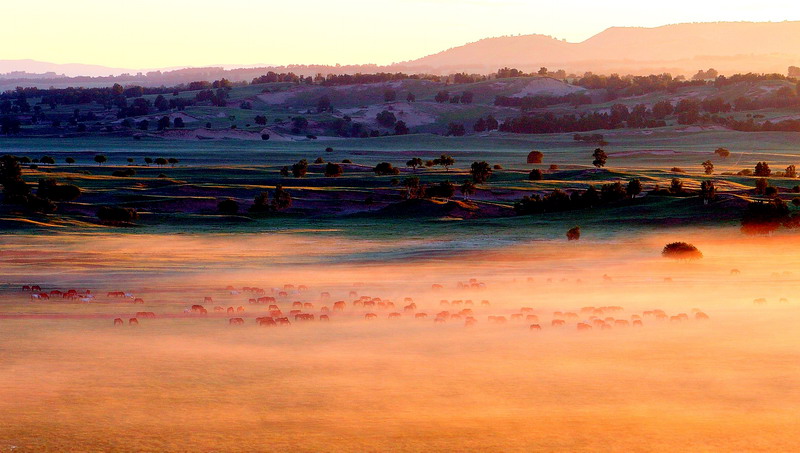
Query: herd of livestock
x,y
275,307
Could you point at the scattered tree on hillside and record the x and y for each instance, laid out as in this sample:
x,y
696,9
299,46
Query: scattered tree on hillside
x,y
535,157
414,163
708,167
761,186
600,158
333,170
389,95
385,168
445,160
229,207
386,118
100,159
762,170
456,130
535,175
300,168
69,160
790,172
160,161
467,189
442,96
634,188
282,199
480,171
400,128
707,191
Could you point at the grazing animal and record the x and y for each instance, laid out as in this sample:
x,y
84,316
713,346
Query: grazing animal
x,y
324,318
370,316
36,288
584,326
26,288
218,308
197,308
470,322
532,318
239,309
236,321
444,303
558,322
535,327
439,320
485,303
339,306
325,295
420,315
637,323
231,311
516,317
283,321
118,321
394,315
700,316
760,301
208,300
133,322
138,300
735,272
436,286
266,322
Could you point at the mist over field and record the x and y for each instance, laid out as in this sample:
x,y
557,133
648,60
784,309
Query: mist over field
x,y
183,381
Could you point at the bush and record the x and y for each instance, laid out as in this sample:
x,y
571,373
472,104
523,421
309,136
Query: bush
x,y
124,173
228,206
681,251
51,190
385,168
333,170
535,157
535,175
117,214
574,233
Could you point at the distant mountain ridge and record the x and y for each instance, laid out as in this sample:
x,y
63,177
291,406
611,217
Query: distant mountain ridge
x,y
729,47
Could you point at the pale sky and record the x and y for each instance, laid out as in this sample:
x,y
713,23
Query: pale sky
x,y
169,33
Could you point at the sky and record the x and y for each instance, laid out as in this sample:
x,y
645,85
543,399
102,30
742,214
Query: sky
x,y
148,34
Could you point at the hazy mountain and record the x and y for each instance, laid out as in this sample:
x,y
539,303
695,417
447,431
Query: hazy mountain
x,y
683,48
729,47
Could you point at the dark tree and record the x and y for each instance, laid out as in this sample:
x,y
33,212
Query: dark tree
x,y
442,97
600,158
790,172
411,97
722,152
281,199
260,203
445,189
47,160
535,157
681,251
116,215
400,128
535,175
100,159
480,125
574,233
385,168
445,160
300,168
324,104
172,161
148,160
676,186
333,170
467,189
178,123
707,191
708,167
456,130
480,171
15,190
69,160
634,188
761,186
762,170
389,95
229,207
414,163
386,118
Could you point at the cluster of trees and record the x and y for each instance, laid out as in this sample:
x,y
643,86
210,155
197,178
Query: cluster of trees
x,y
488,124
358,79
17,192
505,73
528,103
548,123
464,98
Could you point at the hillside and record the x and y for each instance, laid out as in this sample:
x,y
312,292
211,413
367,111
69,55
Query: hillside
x,y
681,49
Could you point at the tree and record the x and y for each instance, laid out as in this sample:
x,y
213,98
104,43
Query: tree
x,y
229,207
100,159
385,168
281,200
116,215
172,161
535,157
178,123
480,125
148,160
535,175
762,170
400,128
324,104
411,97
160,161
681,251
386,118
389,95
15,190
574,233
260,203
47,160
634,188
790,172
467,97
676,186
708,167
333,170
413,187
69,160
600,158
761,186
442,97
444,189
50,189
130,160
467,189
707,191
480,171
456,130
445,160
414,163
300,168
722,152
163,123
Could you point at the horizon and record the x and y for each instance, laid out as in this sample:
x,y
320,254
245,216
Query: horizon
x,y
359,39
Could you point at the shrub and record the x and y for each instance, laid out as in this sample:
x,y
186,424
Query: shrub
x,y
535,175
535,157
681,251
228,206
574,233
117,214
